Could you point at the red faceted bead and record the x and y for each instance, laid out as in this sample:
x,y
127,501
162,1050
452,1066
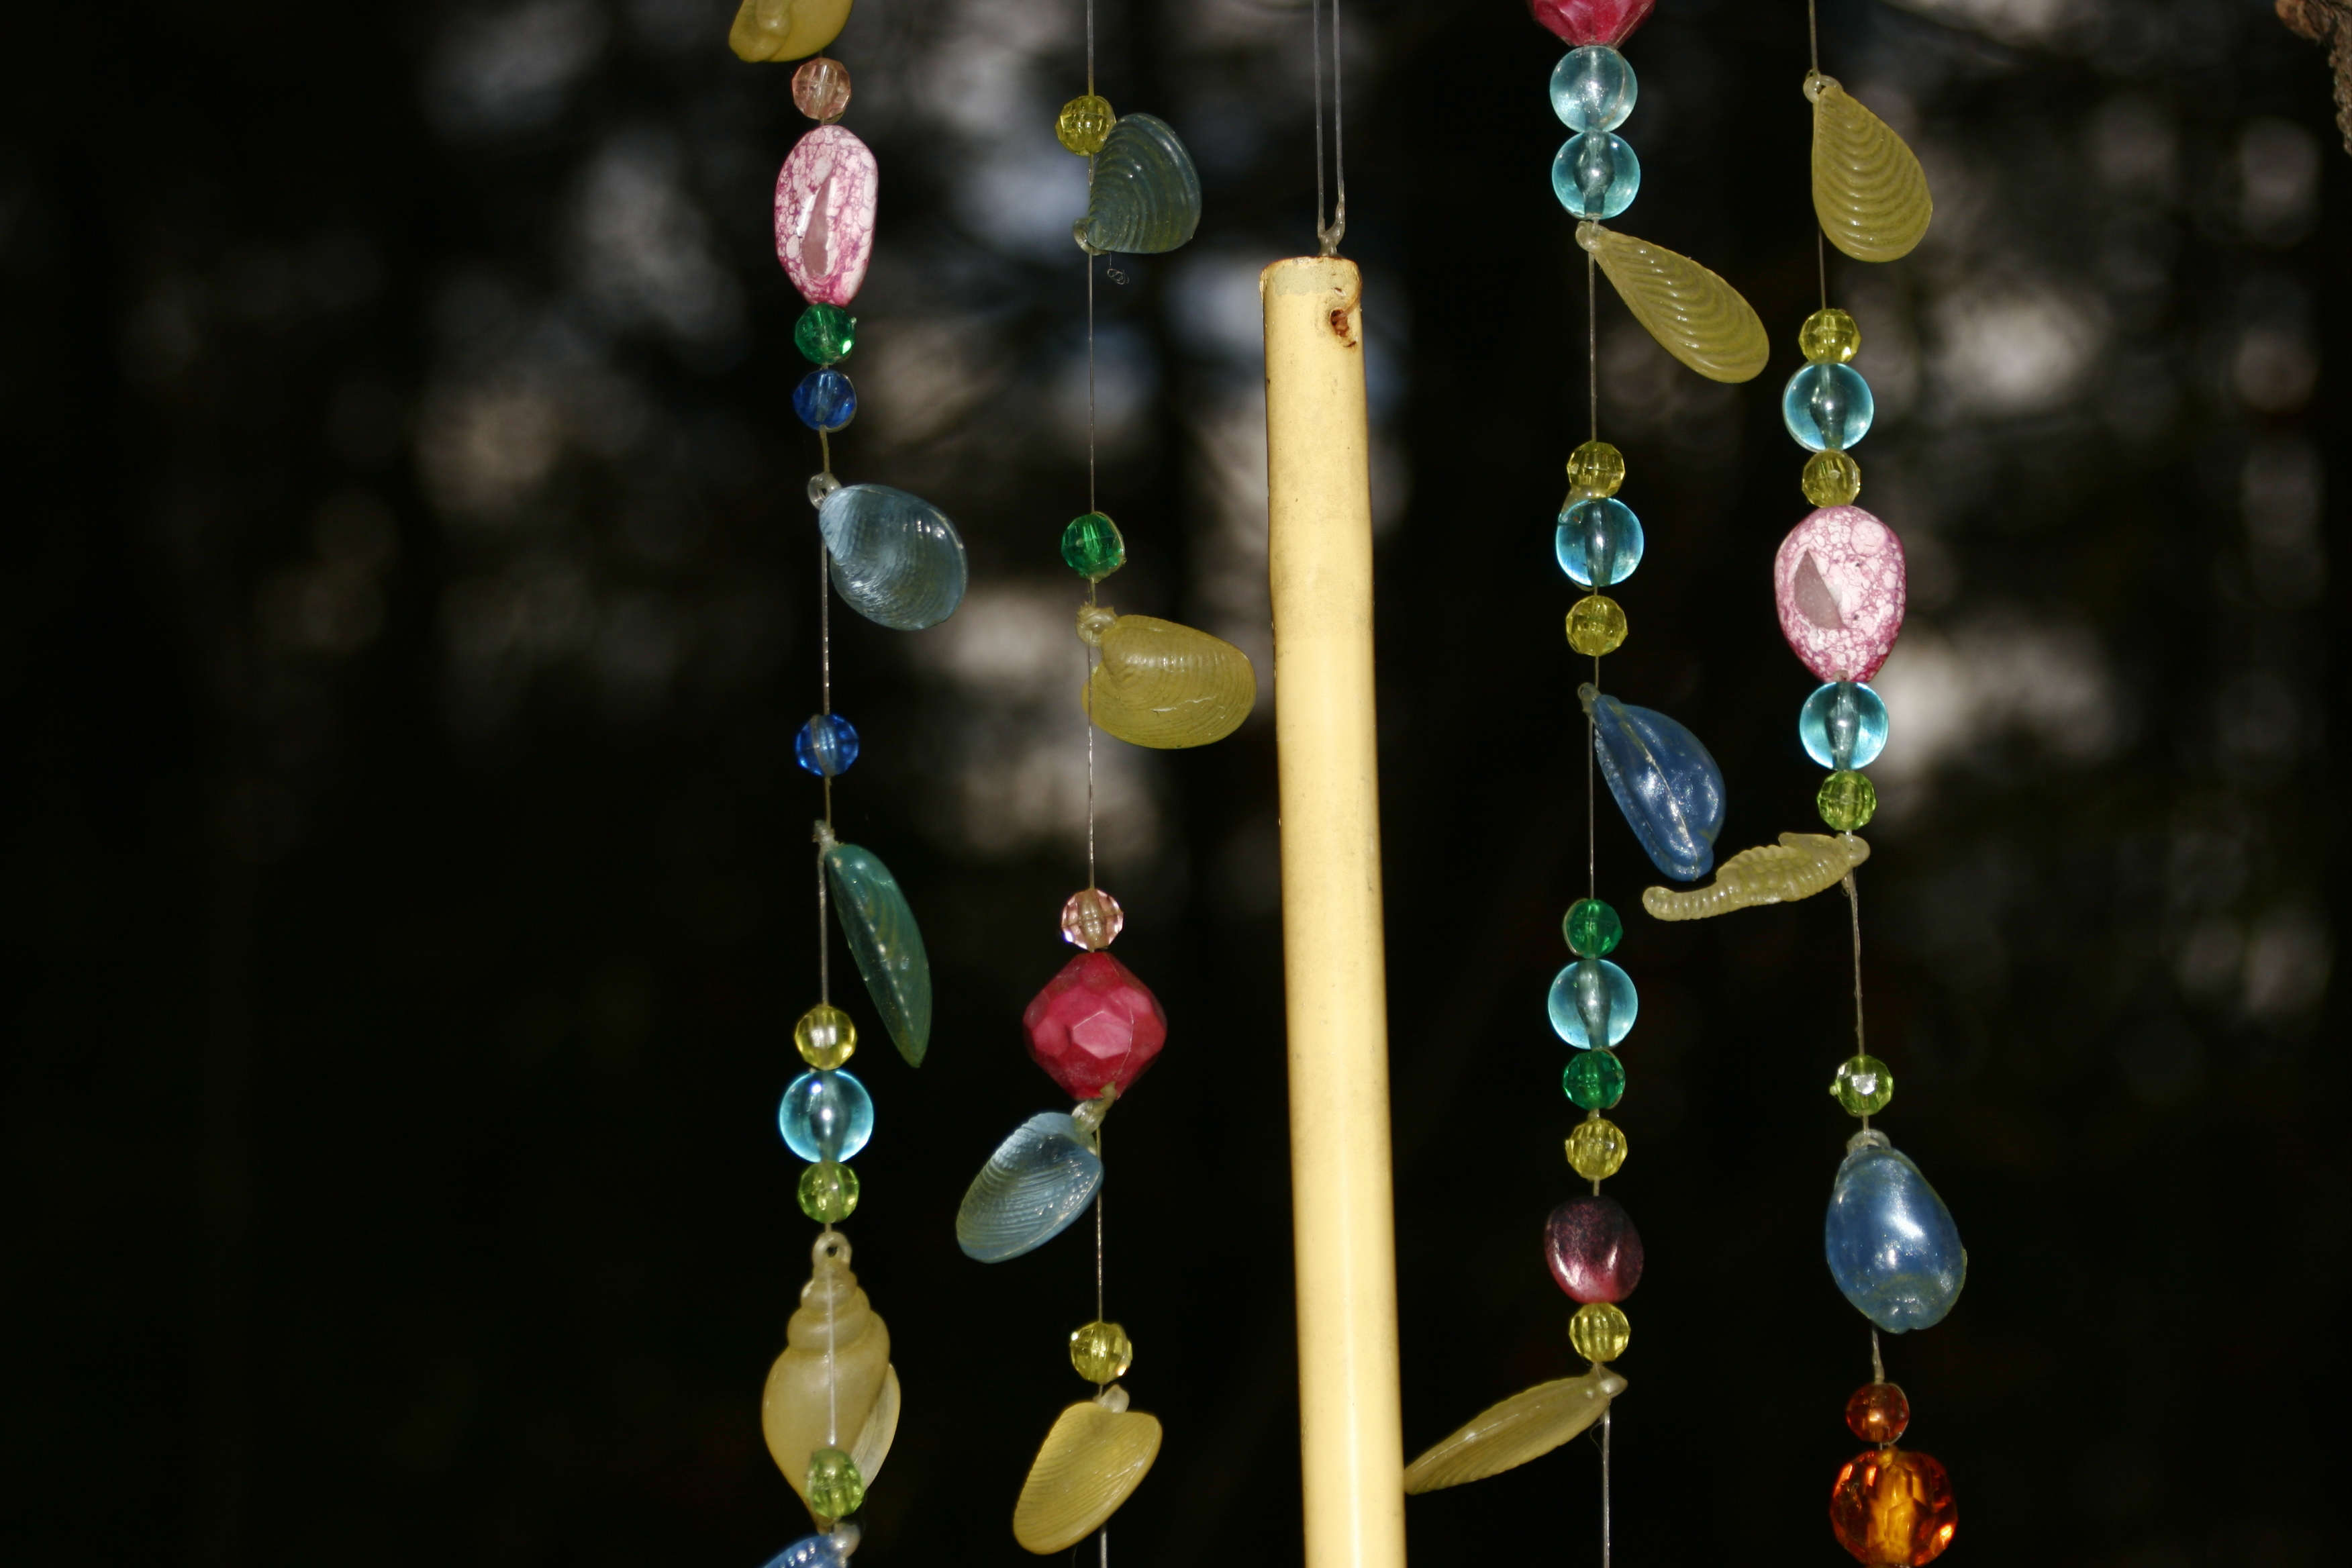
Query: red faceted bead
x,y
1094,1026
1892,1508
1878,1412
1583,22
1593,1249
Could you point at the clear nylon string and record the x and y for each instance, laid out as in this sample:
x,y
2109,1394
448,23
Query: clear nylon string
x,y
1327,235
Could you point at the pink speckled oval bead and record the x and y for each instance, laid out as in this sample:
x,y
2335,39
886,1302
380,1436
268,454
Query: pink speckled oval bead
x,y
824,215
1582,22
1838,580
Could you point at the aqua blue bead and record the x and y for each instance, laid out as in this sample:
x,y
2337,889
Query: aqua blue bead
x,y
1828,407
824,400
1596,175
1593,88
827,1116
1599,541
819,1551
1891,1243
1843,725
897,559
1665,782
1588,993
826,746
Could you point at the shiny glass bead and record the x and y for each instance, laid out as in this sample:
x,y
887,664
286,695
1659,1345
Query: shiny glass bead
x,y
1827,407
1592,1004
1595,174
1595,469
825,746
1863,1086
1592,1248
1599,1331
1092,918
825,333
827,1116
1092,547
1100,1352
1831,479
1847,801
1593,88
836,1489
821,486
1596,1150
821,88
1599,543
1084,124
825,1036
1592,928
1595,1080
1891,1245
1843,725
1878,1412
1891,1507
1596,625
824,400
1829,337
828,1192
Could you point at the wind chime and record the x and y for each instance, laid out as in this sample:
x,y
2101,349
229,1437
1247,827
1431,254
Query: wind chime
x,y
1663,779
830,1408
1096,1027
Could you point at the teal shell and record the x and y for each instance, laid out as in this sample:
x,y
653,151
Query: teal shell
x,y
897,559
1145,198
888,945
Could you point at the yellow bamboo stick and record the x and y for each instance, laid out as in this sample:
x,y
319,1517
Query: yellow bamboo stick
x,y
1319,516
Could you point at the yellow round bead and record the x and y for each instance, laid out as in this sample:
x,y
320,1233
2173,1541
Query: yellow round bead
x,y
1084,124
1596,625
1595,469
1101,1351
1597,1148
825,1036
1831,479
1847,801
1830,336
1599,1331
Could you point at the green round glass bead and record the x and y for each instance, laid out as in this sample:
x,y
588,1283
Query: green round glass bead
x,y
836,1489
1847,800
1592,928
1092,547
825,333
828,1193
1595,1079
1863,1086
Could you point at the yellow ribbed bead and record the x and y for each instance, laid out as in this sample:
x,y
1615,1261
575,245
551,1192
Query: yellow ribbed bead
x,y
1848,800
825,1036
1597,1148
1831,479
1599,1331
1084,124
1596,625
1101,1351
1829,337
1595,469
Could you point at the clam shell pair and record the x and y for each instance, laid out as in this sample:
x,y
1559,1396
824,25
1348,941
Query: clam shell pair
x,y
1035,1186
1162,684
1097,1454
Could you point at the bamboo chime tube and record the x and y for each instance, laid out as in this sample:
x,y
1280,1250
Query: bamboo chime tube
x,y
1319,551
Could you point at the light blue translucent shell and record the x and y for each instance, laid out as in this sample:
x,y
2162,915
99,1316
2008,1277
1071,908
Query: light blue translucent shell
x,y
1599,541
886,945
1145,196
827,1116
1592,991
1593,88
1843,725
1038,1182
1892,1245
1668,787
1595,174
897,559
819,1551
1828,407
826,746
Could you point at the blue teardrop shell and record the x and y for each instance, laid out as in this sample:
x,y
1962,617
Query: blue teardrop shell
x,y
1145,196
1892,1245
1039,1181
897,559
1666,783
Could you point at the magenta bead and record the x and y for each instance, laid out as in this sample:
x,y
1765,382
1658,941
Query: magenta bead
x,y
824,215
1593,1249
1838,580
1581,22
1094,1026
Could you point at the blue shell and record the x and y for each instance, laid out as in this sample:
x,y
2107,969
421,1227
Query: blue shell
x,y
1145,196
1039,1181
886,945
819,1551
897,559
1668,787
1892,1245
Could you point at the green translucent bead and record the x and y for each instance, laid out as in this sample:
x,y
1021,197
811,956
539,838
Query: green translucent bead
x,y
1592,928
1595,469
836,1489
828,1193
1831,479
1863,1086
1829,337
1848,800
825,333
1100,1352
1092,548
1595,1079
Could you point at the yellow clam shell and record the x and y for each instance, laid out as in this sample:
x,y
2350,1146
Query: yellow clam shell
x,y
1799,866
834,1379
1695,316
1097,1454
1868,188
1167,685
785,29
1528,1425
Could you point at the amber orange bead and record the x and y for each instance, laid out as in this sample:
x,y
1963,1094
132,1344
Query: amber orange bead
x,y
1892,1507
1878,1412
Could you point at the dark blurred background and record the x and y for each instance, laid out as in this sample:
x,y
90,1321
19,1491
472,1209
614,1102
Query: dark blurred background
x,y
413,601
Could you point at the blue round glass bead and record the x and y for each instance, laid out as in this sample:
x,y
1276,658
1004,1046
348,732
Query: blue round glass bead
x,y
1599,541
1592,996
826,1115
826,746
824,400
1596,175
1828,407
1843,725
1593,88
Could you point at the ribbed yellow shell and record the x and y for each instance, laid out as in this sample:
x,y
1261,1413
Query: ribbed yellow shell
x,y
785,29
1868,188
1097,1454
1799,866
1168,686
1695,316
1528,1425
802,1409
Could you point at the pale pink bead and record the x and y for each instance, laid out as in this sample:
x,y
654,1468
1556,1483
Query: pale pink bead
x,y
821,90
824,215
1838,580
